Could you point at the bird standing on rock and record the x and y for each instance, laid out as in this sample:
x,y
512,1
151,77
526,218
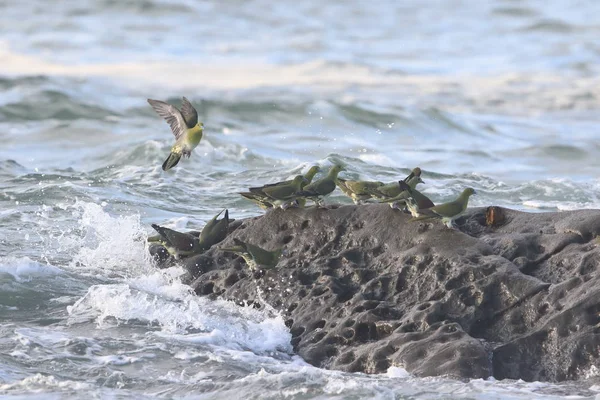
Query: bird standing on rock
x,y
322,187
264,201
447,212
254,256
185,127
179,244
186,244
390,190
409,190
358,191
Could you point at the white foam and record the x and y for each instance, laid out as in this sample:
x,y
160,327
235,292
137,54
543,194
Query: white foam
x,y
117,359
397,372
24,269
39,383
171,305
113,246
561,205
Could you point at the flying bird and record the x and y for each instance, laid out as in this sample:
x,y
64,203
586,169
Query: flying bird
x,y
185,126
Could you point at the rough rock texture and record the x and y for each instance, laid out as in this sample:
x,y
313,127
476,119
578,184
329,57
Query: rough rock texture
x,y
364,289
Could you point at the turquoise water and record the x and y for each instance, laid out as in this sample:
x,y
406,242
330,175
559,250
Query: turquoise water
x,y
499,95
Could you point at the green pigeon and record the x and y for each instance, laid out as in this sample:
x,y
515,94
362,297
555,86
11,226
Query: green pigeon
x,y
409,190
280,195
159,238
390,190
178,243
185,126
322,187
308,177
358,191
254,256
185,244
447,212
262,198
215,230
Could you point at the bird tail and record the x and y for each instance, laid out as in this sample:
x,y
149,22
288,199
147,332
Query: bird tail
x,y
171,161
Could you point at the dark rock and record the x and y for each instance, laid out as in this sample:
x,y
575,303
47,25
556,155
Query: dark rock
x,y
160,255
510,295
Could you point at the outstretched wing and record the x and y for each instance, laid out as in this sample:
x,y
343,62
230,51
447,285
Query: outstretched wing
x,y
171,114
189,113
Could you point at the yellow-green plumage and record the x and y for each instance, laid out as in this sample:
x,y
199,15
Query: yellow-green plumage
x,y
263,196
322,187
392,189
447,212
254,256
406,188
184,125
186,244
412,199
358,191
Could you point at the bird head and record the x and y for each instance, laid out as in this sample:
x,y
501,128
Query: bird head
x,y
415,172
469,192
313,170
414,181
336,169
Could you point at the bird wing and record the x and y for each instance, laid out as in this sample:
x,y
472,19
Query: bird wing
x,y
171,114
446,210
189,113
281,192
263,257
325,186
178,240
259,189
423,201
217,232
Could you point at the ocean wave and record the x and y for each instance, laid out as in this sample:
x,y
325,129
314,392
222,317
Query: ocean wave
x,y
23,269
41,105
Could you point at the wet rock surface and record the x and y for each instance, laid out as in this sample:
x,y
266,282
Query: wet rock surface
x,y
510,294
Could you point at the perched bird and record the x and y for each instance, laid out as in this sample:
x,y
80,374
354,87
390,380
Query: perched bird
x,y
447,212
308,177
390,190
408,190
264,201
358,191
215,230
185,244
254,256
178,243
185,127
280,195
158,238
322,187
261,200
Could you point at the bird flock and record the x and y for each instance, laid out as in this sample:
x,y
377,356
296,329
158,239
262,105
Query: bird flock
x,y
401,195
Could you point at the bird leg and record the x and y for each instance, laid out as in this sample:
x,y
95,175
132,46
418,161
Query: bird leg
x,y
290,204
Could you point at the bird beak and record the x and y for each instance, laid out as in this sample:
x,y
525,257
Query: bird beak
x,y
421,180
